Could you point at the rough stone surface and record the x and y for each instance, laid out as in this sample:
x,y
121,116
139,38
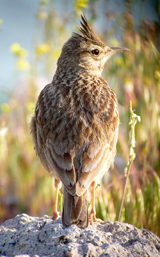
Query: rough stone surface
x,y
31,236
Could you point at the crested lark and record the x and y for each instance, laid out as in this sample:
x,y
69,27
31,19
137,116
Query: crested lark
x,y
75,126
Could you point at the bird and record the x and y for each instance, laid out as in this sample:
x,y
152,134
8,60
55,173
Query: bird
x,y
75,125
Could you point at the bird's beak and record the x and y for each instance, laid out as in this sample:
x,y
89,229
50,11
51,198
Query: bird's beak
x,y
118,50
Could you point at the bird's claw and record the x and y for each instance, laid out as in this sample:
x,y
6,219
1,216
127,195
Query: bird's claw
x,y
56,215
92,218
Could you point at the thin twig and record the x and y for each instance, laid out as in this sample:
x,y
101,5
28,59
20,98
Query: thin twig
x,y
133,120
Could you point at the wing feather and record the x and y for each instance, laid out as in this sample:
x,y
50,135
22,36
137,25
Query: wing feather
x,y
86,179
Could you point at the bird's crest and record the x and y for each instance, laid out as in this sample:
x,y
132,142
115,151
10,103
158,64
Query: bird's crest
x,y
88,34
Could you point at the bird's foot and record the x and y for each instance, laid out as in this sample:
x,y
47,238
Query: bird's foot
x,y
92,218
56,215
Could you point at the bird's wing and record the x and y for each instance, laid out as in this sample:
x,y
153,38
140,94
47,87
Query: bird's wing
x,y
98,158
49,128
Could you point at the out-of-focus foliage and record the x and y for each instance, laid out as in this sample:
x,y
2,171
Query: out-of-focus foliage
x,y
79,4
132,144
1,22
21,63
135,76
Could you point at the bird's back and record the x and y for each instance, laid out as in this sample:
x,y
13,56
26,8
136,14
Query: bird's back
x,y
76,127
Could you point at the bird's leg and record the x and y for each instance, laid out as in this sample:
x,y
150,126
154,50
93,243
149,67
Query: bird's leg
x,y
93,211
92,216
55,212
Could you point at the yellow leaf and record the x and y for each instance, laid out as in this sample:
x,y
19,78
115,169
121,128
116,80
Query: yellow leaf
x,y
157,74
5,108
79,4
42,49
22,53
22,65
15,48
18,51
30,107
1,21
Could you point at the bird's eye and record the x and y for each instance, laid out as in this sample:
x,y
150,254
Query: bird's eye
x,y
95,51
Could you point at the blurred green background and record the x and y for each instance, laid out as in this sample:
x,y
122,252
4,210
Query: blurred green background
x,y
24,185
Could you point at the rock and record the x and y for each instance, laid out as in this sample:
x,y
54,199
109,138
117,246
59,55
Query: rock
x,y
33,236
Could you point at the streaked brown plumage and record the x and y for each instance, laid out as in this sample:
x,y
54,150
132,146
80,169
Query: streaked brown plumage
x,y
75,127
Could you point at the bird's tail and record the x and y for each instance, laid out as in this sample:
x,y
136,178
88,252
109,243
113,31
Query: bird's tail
x,y
75,210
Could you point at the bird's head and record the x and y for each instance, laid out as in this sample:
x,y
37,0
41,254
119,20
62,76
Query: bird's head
x,y
87,51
